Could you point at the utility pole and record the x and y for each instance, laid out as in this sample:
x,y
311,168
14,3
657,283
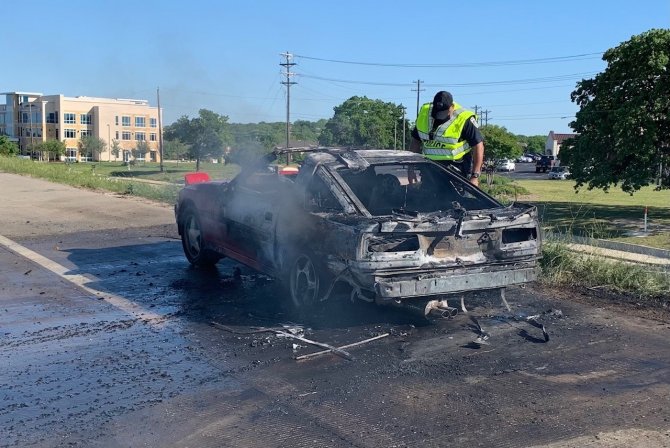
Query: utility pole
x,y
288,83
485,113
476,108
418,91
160,127
403,126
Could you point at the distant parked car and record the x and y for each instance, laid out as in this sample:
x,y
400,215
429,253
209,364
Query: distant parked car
x,y
524,159
545,163
559,172
505,165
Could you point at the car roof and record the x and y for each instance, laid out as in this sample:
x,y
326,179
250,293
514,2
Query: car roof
x,y
356,158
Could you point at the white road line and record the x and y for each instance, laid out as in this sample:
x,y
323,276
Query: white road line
x,y
81,281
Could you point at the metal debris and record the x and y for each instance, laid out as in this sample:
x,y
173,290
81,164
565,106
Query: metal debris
x,y
287,332
483,336
323,352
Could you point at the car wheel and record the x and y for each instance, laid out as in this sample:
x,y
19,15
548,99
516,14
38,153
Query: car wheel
x,y
305,282
193,243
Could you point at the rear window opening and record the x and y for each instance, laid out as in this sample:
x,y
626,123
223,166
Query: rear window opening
x,y
518,235
400,243
419,187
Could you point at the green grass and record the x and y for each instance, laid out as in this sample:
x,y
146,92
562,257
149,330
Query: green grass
x,y
172,171
614,215
85,176
561,266
503,188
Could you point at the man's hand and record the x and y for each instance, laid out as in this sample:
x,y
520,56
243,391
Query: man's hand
x,y
474,181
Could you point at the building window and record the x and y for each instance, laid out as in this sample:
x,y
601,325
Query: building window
x,y
140,122
71,154
125,135
84,133
117,135
152,122
69,118
140,136
152,136
85,119
69,133
125,121
52,117
116,120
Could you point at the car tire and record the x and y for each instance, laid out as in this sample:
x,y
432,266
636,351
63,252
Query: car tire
x,y
192,241
306,282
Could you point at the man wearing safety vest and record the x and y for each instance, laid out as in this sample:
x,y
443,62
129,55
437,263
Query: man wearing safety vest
x,y
448,134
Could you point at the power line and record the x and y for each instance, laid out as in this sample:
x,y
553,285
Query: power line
x,y
576,57
565,77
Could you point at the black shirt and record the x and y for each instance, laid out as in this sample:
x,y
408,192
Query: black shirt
x,y
470,132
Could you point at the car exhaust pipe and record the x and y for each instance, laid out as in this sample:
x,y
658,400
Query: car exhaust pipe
x,y
440,308
432,308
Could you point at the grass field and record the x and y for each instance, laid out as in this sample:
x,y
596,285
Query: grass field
x,y
172,171
615,215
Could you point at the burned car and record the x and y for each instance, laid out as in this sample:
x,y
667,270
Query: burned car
x,y
390,226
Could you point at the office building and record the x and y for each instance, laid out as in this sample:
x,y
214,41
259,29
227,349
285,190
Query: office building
x,y
31,118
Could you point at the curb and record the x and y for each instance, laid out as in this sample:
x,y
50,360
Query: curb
x,y
612,245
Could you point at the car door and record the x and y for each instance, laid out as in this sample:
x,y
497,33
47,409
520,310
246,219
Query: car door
x,y
248,216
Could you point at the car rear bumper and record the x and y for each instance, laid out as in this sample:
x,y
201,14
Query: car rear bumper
x,y
394,288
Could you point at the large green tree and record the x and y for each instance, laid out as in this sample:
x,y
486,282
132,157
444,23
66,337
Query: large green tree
x,y
363,122
7,147
499,143
207,135
623,124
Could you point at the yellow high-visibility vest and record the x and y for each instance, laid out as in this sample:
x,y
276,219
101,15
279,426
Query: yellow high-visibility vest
x,y
444,145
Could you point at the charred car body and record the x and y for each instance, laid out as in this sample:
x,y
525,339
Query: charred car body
x,y
395,228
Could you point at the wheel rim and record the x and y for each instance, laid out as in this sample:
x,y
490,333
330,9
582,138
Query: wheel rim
x,y
193,236
304,281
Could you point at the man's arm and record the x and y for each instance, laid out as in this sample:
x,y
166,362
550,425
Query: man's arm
x,y
477,160
415,145
475,139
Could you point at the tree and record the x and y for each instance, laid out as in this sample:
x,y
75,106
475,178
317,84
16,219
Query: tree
x,y
7,147
364,122
207,135
175,150
533,143
91,146
623,124
116,148
499,143
307,130
54,148
141,150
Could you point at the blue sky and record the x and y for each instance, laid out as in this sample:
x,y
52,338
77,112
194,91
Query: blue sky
x,y
225,55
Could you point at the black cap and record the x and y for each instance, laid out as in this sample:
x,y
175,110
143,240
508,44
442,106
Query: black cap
x,y
441,104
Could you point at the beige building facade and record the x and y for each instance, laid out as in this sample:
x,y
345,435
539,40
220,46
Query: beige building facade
x,y
31,118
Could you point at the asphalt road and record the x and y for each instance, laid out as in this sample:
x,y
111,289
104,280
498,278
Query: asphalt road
x,y
106,341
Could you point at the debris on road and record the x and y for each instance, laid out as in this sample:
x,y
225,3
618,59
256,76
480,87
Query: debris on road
x,y
323,352
288,332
